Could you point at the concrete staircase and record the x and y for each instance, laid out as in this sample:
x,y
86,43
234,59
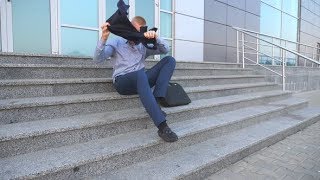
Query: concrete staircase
x,y
60,118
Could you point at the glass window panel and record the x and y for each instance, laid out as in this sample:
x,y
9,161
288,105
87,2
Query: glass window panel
x,y
289,27
274,3
270,21
31,26
145,8
290,57
166,25
79,12
78,42
166,5
112,7
170,49
290,7
0,37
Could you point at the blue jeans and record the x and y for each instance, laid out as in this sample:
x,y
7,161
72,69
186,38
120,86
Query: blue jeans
x,y
140,82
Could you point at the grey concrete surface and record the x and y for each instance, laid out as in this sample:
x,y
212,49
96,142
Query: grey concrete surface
x,y
94,156
20,138
312,96
196,161
295,158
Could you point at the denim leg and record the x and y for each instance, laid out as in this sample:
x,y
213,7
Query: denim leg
x,y
137,82
160,75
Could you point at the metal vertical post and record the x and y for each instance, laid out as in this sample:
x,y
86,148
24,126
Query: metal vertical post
x,y
283,71
243,50
257,48
272,62
313,55
238,60
305,50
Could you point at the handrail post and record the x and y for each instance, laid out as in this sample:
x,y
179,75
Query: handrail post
x,y
238,60
257,48
313,55
305,61
283,71
272,61
243,50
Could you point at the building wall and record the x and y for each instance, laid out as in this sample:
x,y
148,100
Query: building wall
x,y
310,25
189,28
219,17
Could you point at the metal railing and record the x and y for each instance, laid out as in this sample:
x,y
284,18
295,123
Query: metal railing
x,y
283,51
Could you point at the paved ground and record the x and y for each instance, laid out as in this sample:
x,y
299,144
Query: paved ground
x,y
295,158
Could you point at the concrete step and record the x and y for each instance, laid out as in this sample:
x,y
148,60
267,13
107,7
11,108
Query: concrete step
x,y
53,71
56,87
14,89
200,160
6,58
33,136
30,109
107,154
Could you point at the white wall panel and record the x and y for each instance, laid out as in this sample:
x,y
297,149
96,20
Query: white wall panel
x,y
188,28
191,7
188,51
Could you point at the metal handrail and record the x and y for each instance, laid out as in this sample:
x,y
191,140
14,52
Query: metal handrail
x,y
282,49
281,39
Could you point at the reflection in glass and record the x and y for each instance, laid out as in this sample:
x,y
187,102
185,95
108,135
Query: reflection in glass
x,y
145,8
79,12
78,42
290,7
31,26
166,5
112,7
166,25
274,3
290,57
289,27
270,20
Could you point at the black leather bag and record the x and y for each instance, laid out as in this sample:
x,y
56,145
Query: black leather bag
x,y
176,96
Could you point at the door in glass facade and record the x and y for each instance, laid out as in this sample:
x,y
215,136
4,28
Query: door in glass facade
x,y
31,26
79,27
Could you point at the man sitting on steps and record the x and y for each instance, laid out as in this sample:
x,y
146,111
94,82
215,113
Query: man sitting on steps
x,y
129,75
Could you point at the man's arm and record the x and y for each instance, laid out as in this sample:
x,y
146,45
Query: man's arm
x,y
162,46
103,51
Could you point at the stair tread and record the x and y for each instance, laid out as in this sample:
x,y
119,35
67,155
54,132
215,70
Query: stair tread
x,y
68,156
55,100
82,80
40,127
77,66
175,165
89,59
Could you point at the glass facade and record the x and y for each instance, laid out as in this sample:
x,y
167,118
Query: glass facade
x,y
279,18
31,26
111,7
78,42
166,23
0,37
146,9
79,27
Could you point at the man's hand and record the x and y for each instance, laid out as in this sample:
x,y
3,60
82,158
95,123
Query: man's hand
x,y
105,31
150,34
